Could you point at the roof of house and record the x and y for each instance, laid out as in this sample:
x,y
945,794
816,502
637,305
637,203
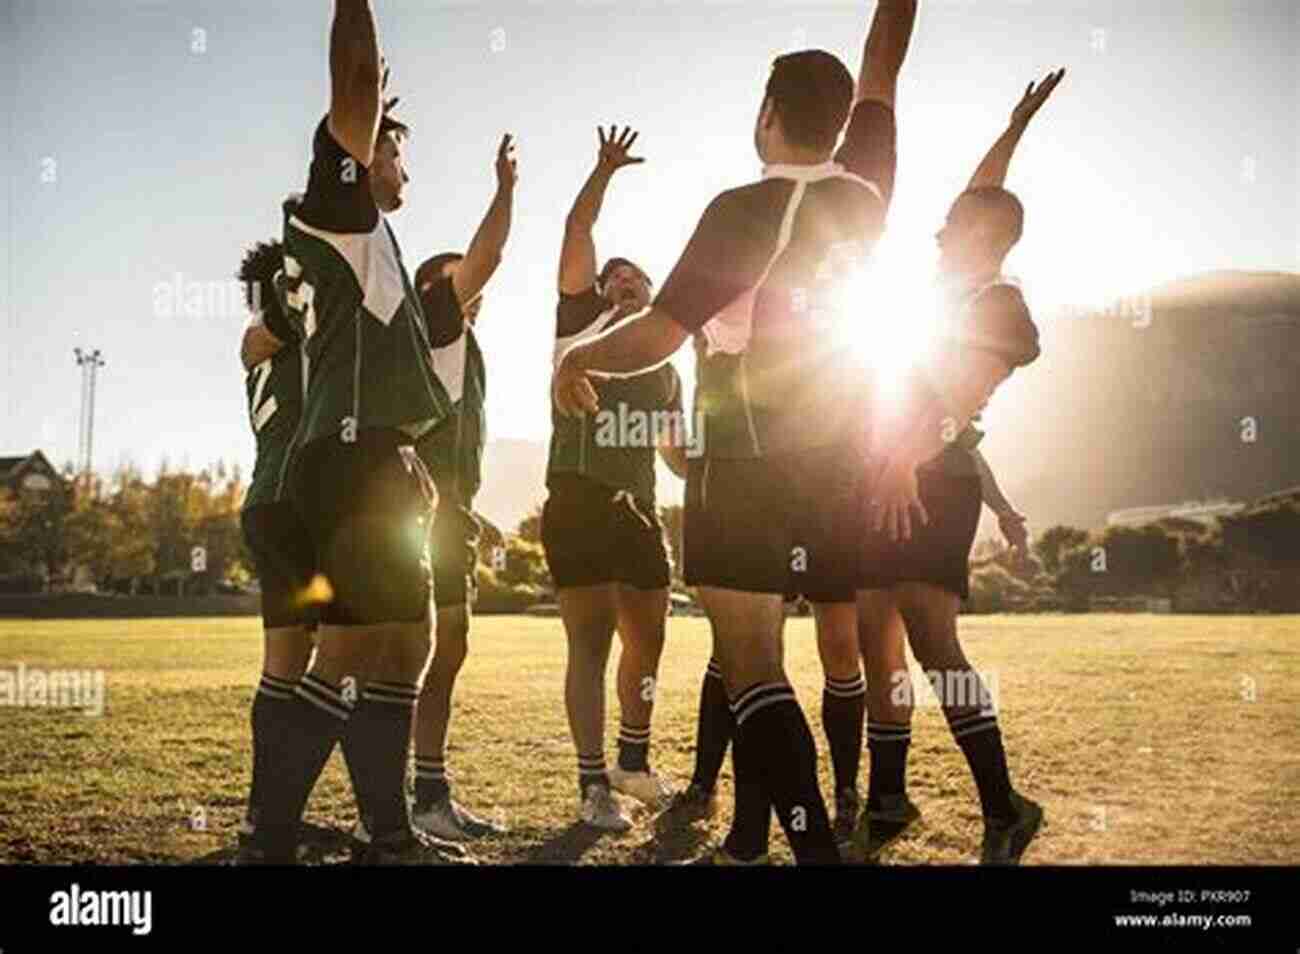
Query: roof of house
x,y
10,463
10,466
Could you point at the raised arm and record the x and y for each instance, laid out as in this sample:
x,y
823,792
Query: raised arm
x,y
886,48
578,255
356,79
992,170
722,261
484,253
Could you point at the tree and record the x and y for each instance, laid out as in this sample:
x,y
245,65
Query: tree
x,y
530,528
995,590
1270,534
34,531
1052,544
525,564
9,558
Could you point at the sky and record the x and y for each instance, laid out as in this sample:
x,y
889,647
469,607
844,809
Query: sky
x,y
146,142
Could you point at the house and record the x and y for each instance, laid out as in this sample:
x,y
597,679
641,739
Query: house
x,y
31,473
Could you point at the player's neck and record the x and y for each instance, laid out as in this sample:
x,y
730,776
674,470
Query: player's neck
x,y
783,154
976,277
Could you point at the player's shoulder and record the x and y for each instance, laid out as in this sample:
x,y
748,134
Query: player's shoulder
x,y
1001,319
748,211
1003,296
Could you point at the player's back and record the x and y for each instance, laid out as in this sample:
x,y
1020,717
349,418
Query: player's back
x,y
274,389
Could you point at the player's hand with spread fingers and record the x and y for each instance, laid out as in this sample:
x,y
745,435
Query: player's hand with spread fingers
x,y
1035,96
616,146
895,498
572,389
507,164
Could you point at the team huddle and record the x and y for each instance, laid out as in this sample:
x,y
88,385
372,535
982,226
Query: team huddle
x,y
367,392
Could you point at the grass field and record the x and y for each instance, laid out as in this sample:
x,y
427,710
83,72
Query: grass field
x,y
1149,740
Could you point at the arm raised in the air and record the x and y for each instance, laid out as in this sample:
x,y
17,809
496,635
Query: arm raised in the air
x,y
885,51
356,79
992,170
578,254
483,256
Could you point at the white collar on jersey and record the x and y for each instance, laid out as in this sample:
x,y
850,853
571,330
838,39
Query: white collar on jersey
x,y
806,174
800,173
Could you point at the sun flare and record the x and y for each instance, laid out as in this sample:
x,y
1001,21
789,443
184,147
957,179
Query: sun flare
x,y
895,320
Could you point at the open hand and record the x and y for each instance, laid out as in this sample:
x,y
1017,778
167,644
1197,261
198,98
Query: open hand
x,y
1035,96
615,147
895,498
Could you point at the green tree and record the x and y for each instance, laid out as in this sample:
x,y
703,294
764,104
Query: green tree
x,y
530,528
1052,544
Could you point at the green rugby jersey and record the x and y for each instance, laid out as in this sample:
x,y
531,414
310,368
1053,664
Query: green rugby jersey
x,y
274,390
347,290
616,446
453,451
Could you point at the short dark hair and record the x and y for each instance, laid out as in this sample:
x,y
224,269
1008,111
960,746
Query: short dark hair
x,y
614,263
433,266
812,93
257,272
1000,208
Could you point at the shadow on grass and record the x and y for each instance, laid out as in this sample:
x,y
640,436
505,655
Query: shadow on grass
x,y
318,845
566,848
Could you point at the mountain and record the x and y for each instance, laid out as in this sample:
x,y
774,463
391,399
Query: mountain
x,y
1189,391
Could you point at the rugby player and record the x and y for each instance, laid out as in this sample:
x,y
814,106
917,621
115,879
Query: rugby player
x,y
451,286
280,545
353,474
925,509
781,466
600,529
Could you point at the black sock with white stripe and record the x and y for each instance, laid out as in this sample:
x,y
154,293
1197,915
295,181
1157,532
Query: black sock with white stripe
x,y
980,740
714,729
431,785
769,719
633,747
301,742
844,706
274,695
591,771
377,743
887,744
751,818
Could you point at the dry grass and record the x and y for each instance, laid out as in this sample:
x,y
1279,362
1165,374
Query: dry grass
x,y
1137,733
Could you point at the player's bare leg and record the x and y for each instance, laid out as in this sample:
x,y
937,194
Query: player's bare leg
x,y
590,615
930,613
642,620
433,713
